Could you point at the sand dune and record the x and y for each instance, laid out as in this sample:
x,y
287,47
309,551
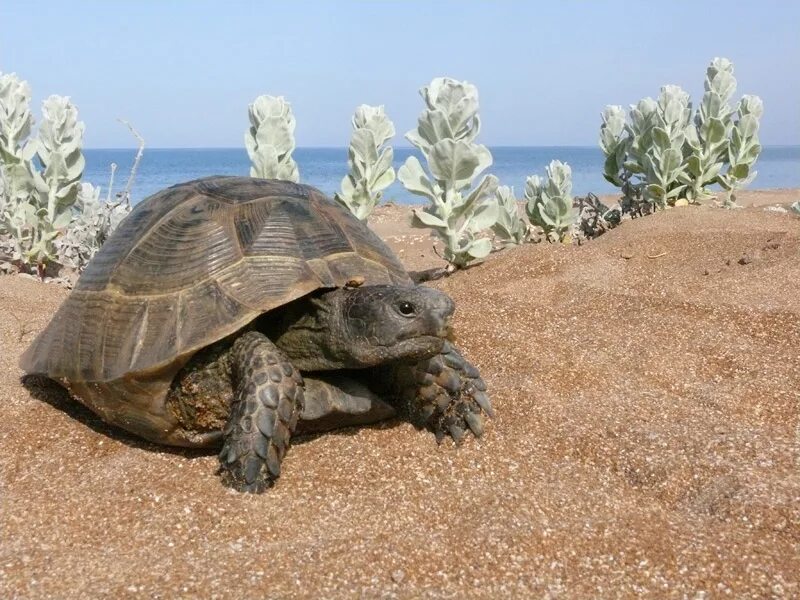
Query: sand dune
x,y
647,390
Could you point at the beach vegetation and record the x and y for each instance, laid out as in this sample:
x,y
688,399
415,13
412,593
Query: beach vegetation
x,y
594,217
48,218
743,149
460,211
549,202
369,159
270,139
510,229
662,154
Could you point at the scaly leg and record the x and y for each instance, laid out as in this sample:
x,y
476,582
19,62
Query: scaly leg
x,y
447,395
267,402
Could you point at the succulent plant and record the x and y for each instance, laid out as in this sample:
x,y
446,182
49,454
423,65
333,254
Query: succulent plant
x,y
37,205
270,139
549,203
707,142
664,155
370,162
510,229
15,117
614,144
664,167
16,178
624,164
458,213
58,148
47,217
743,149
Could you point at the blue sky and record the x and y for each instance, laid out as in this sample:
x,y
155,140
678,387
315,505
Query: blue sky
x,y
184,72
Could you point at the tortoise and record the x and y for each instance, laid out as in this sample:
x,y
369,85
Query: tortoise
x,y
242,311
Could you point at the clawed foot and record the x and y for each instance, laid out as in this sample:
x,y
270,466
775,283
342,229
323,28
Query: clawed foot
x,y
250,460
451,396
266,406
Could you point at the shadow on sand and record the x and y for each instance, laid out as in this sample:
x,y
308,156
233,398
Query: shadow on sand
x,y
52,393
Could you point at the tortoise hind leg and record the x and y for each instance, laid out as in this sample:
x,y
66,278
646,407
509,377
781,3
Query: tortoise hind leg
x,y
267,403
336,400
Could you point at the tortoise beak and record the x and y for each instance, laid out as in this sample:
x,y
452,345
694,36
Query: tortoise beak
x,y
446,330
440,308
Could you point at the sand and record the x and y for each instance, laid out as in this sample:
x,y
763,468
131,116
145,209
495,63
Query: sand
x,y
647,390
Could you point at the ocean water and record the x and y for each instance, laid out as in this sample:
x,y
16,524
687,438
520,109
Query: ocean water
x,y
778,167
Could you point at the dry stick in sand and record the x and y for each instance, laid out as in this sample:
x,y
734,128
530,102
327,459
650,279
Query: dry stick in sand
x,y
126,194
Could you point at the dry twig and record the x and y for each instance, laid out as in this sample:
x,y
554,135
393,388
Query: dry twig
x,y
127,192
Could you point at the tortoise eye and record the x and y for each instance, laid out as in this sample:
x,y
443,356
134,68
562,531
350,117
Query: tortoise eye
x,y
406,309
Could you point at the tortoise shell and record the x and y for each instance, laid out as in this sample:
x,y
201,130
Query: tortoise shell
x,y
189,266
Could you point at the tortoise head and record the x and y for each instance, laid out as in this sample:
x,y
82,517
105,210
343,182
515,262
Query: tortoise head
x,y
368,326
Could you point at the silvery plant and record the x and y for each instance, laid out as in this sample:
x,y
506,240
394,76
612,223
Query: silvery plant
x,y
743,149
270,139
16,176
510,229
623,166
664,166
707,142
549,203
369,159
645,157
58,148
41,203
37,205
459,211
662,154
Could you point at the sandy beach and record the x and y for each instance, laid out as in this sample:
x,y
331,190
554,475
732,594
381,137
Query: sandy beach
x,y
647,442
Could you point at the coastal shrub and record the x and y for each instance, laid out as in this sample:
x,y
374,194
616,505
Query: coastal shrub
x,y
661,155
708,139
47,217
458,213
270,139
744,147
645,158
93,221
594,217
44,209
510,229
549,203
369,160
664,167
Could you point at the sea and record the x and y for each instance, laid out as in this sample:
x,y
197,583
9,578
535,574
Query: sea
x,y
324,168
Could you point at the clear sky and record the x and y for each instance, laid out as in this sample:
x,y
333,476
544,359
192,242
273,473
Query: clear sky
x,y
183,72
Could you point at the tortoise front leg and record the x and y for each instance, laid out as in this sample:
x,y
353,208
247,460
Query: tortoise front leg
x,y
267,402
447,395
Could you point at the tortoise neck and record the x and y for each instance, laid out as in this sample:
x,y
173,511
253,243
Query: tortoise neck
x,y
312,334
